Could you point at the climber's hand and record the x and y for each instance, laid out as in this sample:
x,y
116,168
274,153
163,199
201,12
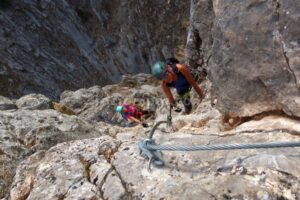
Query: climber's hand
x,y
145,125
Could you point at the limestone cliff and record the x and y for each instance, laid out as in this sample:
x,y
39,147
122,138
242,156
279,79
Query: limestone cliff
x,y
51,46
249,49
251,52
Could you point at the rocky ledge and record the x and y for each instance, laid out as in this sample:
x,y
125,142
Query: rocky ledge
x,y
46,154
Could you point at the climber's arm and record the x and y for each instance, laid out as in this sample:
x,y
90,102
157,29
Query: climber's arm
x,y
167,92
131,118
186,73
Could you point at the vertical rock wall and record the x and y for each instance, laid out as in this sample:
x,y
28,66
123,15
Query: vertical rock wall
x,y
50,46
199,40
251,51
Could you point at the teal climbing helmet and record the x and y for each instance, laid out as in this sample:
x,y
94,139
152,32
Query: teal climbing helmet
x,y
158,69
119,109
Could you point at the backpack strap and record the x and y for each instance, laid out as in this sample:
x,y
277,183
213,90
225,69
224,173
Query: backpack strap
x,y
174,68
172,62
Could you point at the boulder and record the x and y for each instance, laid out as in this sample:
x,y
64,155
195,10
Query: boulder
x,y
82,99
24,132
33,102
6,104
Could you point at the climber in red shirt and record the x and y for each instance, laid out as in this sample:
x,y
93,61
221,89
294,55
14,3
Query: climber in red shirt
x,y
132,113
178,76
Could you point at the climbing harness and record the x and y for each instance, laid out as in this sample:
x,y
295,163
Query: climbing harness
x,y
152,151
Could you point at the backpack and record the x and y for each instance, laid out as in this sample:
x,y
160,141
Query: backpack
x,y
192,70
174,61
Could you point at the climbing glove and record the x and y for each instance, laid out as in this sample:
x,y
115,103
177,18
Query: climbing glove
x,y
145,125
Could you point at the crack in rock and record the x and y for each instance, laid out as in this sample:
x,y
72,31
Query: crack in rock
x,y
279,36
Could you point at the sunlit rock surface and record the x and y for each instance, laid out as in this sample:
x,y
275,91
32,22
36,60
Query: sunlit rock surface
x,y
109,166
251,52
255,56
24,132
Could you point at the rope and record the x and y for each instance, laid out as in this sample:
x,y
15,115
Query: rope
x,y
150,150
152,147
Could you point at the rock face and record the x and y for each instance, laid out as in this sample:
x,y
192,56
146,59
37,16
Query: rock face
x,y
250,49
30,126
51,46
48,156
6,104
251,52
33,101
200,40
83,164
255,56
99,104
24,132
112,168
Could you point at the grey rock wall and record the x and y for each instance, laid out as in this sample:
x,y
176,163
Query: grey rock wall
x,y
51,46
250,68
199,39
251,51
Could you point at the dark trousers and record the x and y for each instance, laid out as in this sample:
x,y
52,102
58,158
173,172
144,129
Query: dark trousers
x,y
186,101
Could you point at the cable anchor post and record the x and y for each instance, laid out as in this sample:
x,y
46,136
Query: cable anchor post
x,y
154,156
